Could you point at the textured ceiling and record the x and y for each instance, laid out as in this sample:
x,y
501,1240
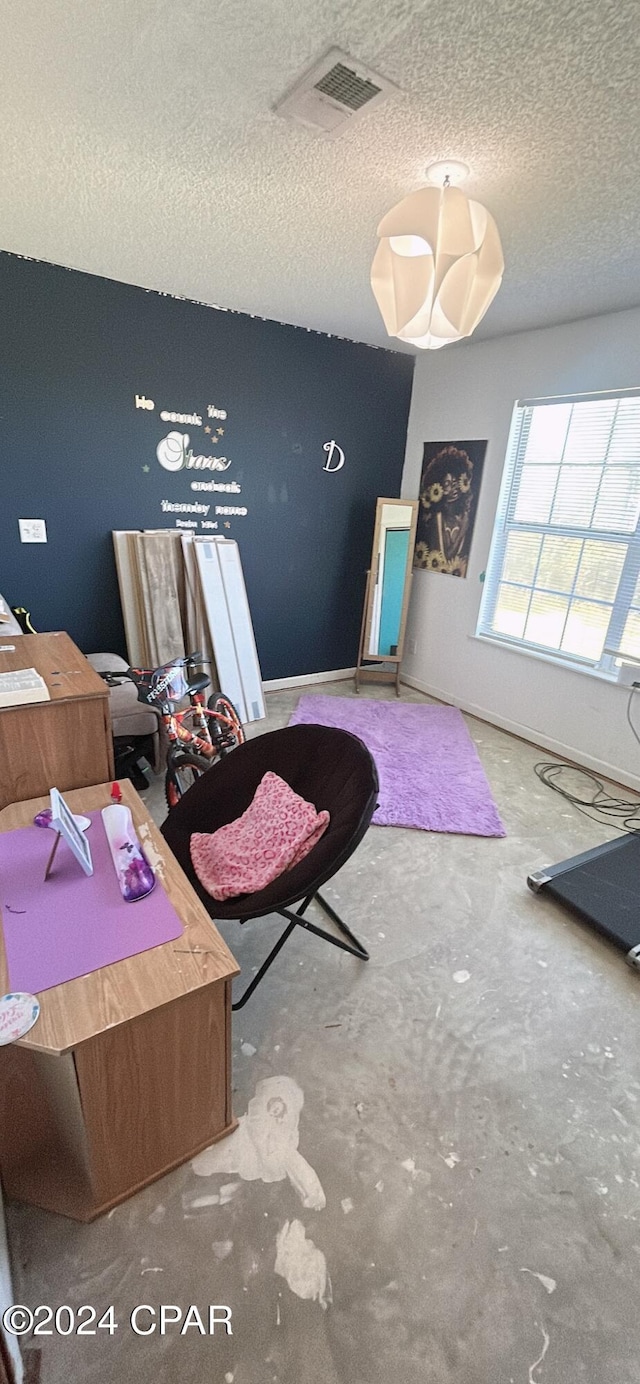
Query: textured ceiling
x,y
138,142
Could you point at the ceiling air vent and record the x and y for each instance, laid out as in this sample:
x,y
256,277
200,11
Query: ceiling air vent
x,y
334,91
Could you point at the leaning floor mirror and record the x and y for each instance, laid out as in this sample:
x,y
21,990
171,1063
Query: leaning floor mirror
x,y
386,601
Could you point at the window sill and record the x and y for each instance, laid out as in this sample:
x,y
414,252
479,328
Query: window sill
x,y
564,663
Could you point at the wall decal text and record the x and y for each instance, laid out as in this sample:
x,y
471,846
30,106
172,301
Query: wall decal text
x,y
332,449
174,454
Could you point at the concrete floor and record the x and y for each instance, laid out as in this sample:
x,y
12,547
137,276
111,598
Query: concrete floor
x,y
477,1140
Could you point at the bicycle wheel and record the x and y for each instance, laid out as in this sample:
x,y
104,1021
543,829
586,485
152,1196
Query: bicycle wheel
x,y
183,769
227,733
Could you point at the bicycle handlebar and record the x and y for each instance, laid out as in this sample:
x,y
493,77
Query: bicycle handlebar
x,y
162,686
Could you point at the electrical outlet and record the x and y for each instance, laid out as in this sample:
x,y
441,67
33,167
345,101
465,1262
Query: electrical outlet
x,y
412,646
32,530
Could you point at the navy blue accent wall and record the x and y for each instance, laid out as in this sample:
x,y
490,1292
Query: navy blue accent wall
x,y
76,451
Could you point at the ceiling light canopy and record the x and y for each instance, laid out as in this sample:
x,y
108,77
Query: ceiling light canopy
x,y
439,263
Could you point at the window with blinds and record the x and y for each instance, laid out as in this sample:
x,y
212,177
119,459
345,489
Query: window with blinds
x,y
564,568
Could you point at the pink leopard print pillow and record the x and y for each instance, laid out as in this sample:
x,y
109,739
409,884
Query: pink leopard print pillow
x,y
278,830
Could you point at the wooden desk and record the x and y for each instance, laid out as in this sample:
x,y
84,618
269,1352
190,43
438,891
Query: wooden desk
x,y
127,1072
65,742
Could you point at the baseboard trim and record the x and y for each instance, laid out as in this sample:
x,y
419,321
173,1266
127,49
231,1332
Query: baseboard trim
x,y
305,679
531,736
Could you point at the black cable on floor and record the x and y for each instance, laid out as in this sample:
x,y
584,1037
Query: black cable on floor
x,y
596,803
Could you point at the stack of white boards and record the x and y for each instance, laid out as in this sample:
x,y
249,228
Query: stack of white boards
x,y
22,686
181,592
224,598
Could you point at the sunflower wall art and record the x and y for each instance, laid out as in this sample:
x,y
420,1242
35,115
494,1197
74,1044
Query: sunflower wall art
x,y
449,489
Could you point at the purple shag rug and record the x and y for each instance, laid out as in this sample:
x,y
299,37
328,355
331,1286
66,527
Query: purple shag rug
x,y
428,766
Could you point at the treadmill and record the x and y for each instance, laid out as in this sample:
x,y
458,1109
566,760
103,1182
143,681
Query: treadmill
x,y
602,887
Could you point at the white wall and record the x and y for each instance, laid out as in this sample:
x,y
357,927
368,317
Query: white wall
x,y
468,391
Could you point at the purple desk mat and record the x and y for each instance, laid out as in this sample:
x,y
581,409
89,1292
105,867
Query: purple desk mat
x,y
72,923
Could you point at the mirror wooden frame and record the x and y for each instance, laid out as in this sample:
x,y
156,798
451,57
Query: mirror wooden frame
x,y
364,672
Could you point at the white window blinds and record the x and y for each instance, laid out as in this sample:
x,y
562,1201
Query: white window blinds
x,y
564,568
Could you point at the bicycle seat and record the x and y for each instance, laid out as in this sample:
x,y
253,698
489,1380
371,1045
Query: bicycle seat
x,y
197,684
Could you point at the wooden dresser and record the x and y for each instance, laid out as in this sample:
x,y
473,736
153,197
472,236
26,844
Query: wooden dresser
x,y
127,1072
63,743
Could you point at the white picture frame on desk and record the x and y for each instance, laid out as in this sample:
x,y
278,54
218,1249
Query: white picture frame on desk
x,y
64,822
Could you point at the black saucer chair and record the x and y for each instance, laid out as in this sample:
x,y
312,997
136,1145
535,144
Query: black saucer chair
x,y
330,768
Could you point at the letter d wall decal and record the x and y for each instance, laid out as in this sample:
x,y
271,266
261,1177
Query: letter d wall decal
x,y
332,448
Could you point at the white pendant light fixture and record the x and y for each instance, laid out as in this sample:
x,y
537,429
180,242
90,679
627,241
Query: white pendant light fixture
x,y
439,263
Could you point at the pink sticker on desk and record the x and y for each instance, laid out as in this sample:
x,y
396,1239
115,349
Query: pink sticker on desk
x,y
18,1013
71,924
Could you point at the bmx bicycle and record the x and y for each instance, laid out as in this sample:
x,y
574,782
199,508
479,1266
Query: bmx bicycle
x,y
197,735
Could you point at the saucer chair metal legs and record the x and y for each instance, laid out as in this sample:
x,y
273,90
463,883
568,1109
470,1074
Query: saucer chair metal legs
x,y
297,919
330,768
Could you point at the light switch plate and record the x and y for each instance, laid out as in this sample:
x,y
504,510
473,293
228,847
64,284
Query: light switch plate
x,y
32,530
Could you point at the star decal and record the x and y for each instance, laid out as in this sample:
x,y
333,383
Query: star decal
x,y
208,429
145,467
227,524
220,432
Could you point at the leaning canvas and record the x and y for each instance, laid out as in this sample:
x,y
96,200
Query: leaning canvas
x,y
449,489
